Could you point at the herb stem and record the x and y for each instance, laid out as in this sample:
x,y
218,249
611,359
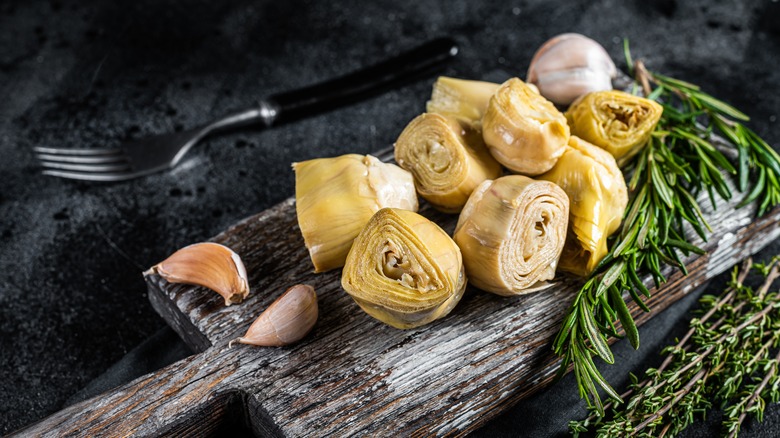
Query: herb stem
x,y
686,389
756,393
773,274
724,358
698,144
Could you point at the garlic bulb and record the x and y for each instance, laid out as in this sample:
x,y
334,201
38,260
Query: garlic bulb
x,y
570,65
206,264
285,321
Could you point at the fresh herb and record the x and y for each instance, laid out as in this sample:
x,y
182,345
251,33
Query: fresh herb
x,y
728,357
678,163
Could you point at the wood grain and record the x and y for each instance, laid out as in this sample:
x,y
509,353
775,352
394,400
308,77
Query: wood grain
x,y
353,375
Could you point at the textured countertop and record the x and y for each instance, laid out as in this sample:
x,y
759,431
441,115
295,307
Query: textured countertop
x,y
72,73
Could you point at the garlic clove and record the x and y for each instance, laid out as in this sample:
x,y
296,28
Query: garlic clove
x,y
570,65
285,321
206,264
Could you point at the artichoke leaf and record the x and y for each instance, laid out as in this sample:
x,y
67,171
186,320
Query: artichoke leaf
x,y
598,197
523,130
616,121
404,270
447,158
462,99
511,232
335,197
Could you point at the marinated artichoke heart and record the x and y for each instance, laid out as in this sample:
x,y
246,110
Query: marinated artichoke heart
x,y
618,122
335,198
404,270
523,130
462,99
511,233
598,198
447,159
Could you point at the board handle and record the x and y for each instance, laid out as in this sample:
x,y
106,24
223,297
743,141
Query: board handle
x,y
191,397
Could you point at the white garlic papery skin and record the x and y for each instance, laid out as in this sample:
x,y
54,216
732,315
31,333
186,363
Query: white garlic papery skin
x,y
570,65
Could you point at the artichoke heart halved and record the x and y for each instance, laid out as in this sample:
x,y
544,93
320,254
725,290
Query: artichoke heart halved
x,y
618,122
335,198
448,160
463,99
511,233
598,198
404,270
523,130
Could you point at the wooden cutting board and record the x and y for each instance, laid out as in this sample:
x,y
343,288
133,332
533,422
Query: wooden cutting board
x,y
354,375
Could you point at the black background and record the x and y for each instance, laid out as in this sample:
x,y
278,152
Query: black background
x,y
73,73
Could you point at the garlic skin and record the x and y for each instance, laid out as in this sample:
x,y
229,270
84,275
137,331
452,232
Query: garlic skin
x,y
570,65
287,320
206,264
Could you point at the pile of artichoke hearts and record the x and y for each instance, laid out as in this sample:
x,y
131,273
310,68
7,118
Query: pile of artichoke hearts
x,y
537,190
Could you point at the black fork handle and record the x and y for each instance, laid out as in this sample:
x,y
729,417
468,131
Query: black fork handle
x,y
370,81
353,87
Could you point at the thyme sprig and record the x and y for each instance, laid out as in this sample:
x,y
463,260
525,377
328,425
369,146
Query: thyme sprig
x,y
678,163
729,357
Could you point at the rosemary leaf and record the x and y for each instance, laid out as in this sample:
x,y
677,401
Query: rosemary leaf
x,y
677,163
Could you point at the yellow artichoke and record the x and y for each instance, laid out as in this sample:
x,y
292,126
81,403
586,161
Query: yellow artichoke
x,y
404,270
335,198
598,198
618,122
523,130
448,160
462,99
511,233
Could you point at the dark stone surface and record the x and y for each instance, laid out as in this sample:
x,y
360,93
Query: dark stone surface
x,y
73,73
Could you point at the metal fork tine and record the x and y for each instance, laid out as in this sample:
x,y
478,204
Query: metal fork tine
x,y
88,176
70,151
87,167
81,159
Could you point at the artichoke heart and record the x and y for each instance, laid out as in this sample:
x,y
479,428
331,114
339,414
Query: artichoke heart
x,y
511,232
462,99
335,198
447,159
404,270
598,198
523,130
618,122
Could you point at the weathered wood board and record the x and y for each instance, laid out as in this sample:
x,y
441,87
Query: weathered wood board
x,y
353,375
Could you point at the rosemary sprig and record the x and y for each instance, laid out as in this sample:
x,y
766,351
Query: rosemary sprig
x,y
726,357
679,162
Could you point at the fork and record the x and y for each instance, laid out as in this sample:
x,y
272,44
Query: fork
x,y
157,153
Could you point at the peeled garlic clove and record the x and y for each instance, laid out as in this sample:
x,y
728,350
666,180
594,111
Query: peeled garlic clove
x,y
287,320
523,130
206,264
447,158
511,233
570,65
